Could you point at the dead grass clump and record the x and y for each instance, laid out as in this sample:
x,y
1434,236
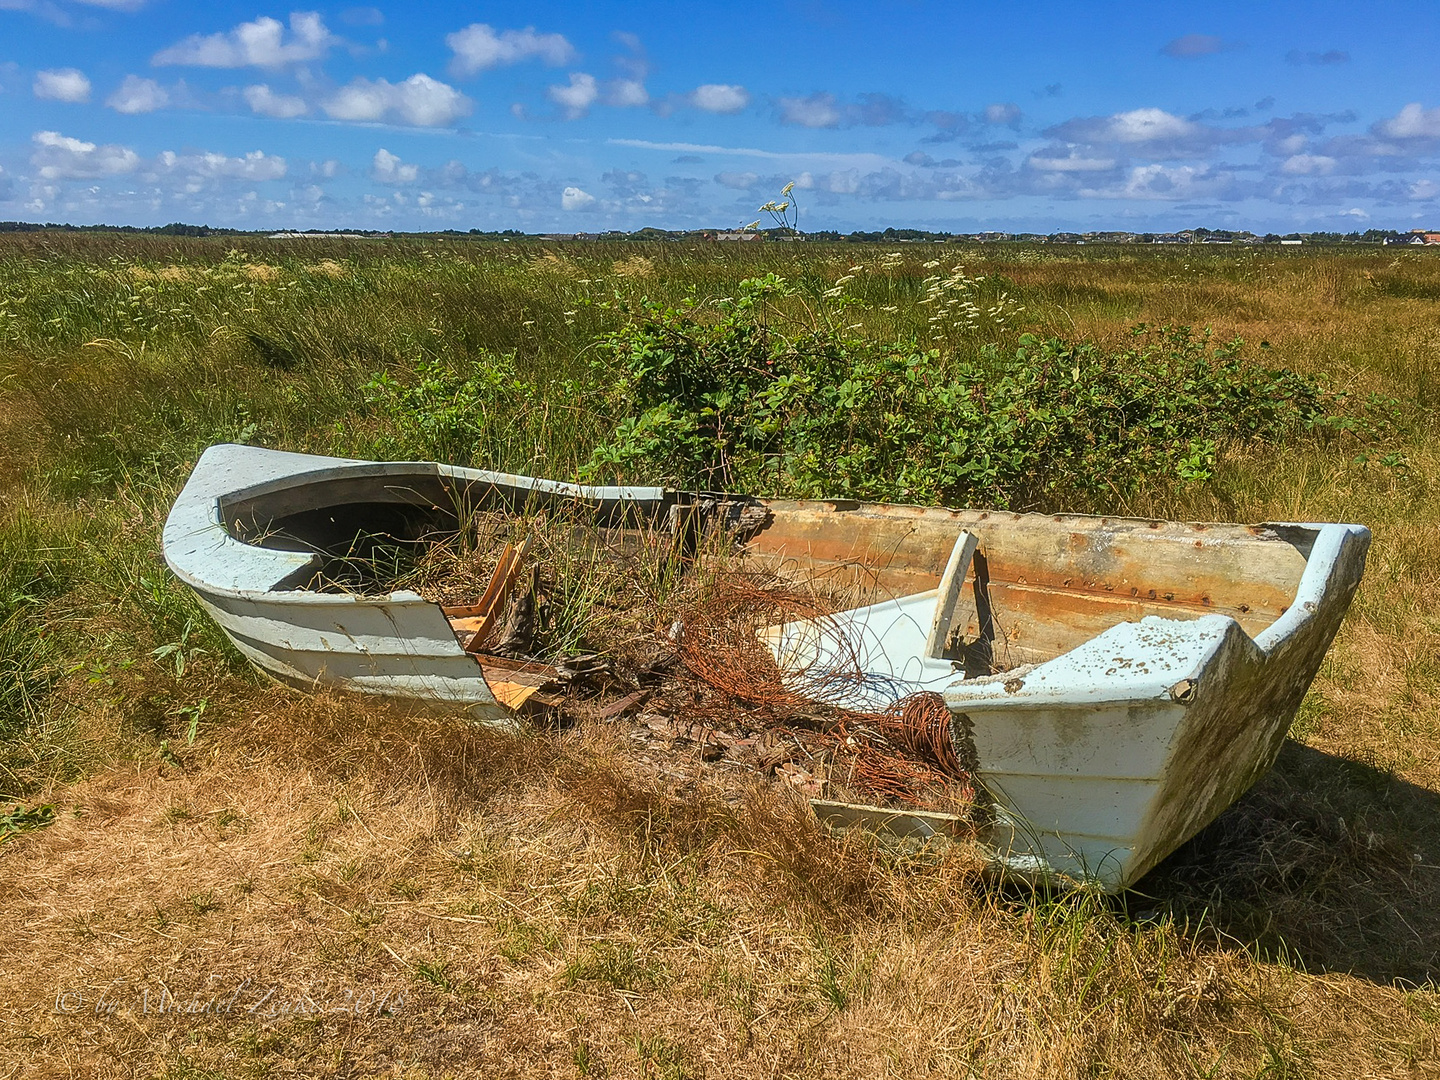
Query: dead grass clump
x,y
551,264
263,273
461,765
603,789
637,266
328,268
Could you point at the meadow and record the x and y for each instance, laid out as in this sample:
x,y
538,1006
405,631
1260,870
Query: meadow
x,y
205,875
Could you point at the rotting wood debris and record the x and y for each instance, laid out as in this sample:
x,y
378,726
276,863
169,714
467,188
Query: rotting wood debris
x,y
697,692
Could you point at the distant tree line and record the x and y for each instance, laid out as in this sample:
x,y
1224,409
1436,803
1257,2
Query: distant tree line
x,y
886,236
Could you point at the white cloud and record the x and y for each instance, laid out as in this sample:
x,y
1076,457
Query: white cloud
x,y
478,48
419,100
572,198
1165,182
1355,212
59,157
262,43
719,98
1148,125
626,93
387,168
1070,163
62,84
815,111
1006,112
1424,189
576,97
1413,122
136,95
267,102
1308,165
256,165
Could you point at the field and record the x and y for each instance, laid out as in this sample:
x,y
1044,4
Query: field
x,y
203,875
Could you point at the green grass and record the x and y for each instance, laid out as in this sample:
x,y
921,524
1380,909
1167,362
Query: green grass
x,y
571,915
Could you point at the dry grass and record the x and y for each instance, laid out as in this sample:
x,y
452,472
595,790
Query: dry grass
x,y
549,905
528,906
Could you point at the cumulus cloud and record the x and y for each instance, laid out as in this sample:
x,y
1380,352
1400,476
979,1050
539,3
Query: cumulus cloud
x,y
255,166
1412,122
724,98
573,198
478,48
1168,182
1323,59
814,111
62,84
59,157
262,43
1190,46
626,93
419,100
387,168
266,102
136,95
1134,126
576,97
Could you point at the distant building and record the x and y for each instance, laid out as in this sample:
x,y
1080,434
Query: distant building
x,y
739,236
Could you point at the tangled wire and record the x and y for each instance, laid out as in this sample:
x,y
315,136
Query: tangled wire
x,y
905,754
720,643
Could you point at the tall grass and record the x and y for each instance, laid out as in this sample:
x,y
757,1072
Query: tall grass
x,y
563,908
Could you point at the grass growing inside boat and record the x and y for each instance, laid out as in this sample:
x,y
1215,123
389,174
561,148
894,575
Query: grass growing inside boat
x,y
543,904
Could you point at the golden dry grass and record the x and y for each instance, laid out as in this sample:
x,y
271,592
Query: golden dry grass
x,y
522,907
550,906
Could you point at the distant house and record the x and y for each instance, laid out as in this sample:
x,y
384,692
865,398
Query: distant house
x,y
739,236
1432,237
1405,239
1292,243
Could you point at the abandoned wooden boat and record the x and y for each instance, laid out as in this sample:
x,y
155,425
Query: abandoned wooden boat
x,y
1115,683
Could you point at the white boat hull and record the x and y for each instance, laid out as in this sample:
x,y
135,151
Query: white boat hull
x,y
1160,663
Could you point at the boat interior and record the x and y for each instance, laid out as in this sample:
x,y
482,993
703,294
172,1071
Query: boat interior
x,y
1032,586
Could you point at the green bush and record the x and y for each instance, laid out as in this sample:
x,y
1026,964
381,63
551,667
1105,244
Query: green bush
x,y
752,402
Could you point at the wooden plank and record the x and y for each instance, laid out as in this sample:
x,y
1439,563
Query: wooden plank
x,y
478,620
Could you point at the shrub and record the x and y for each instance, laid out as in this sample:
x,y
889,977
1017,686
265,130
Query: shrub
x,y
757,403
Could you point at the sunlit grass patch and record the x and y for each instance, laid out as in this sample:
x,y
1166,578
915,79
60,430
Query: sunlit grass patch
x,y
547,904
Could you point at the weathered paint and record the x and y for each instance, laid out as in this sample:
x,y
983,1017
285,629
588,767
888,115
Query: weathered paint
x,y
1125,732
1163,661
397,645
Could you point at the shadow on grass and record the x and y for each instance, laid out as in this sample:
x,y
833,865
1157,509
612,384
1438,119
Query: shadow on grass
x,y
1330,863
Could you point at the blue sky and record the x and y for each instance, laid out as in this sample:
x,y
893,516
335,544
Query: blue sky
x,y
585,117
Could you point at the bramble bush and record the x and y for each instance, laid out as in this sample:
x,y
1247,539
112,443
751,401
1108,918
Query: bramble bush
x,y
763,393
758,403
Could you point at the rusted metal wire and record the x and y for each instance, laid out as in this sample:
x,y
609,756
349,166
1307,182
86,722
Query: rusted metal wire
x,y
718,642
905,754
